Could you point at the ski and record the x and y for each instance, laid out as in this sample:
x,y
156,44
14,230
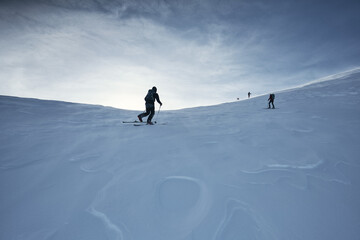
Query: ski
x,y
145,124
133,122
138,123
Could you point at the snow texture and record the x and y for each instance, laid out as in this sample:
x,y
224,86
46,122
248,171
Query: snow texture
x,y
231,171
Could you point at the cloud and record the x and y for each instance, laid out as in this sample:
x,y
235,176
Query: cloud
x,y
88,51
196,52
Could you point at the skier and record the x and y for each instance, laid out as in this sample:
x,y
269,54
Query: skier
x,y
271,100
249,93
150,105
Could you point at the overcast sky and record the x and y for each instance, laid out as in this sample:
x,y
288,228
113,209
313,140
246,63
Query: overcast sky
x,y
196,52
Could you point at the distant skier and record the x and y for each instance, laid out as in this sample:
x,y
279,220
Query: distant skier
x,y
271,100
150,105
249,93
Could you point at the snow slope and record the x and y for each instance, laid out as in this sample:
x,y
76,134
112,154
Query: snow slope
x,y
231,171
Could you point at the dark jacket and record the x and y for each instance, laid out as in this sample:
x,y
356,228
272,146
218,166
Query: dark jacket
x,y
151,103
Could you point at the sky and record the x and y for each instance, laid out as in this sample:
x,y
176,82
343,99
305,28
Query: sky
x,y
195,52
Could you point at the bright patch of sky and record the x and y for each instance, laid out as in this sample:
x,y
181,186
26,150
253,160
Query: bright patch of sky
x,y
195,52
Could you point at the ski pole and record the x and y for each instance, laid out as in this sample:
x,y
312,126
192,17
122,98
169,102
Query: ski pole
x,y
158,113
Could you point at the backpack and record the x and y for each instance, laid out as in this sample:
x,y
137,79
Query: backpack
x,y
272,96
149,96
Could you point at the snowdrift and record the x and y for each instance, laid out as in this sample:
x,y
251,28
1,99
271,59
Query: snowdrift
x,y
231,171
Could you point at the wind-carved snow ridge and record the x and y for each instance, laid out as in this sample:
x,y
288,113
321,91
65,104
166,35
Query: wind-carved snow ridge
x,y
304,166
183,201
113,231
242,222
172,208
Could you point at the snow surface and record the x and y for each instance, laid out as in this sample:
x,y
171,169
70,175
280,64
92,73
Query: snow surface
x,y
231,171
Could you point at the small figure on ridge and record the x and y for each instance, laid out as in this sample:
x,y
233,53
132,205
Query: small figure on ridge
x,y
271,100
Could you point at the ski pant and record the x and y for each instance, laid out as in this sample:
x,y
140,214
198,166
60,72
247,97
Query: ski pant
x,y
272,102
150,110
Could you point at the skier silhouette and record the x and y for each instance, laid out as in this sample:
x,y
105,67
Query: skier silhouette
x,y
150,105
271,100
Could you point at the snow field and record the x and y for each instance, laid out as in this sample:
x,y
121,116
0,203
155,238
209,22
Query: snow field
x,y
230,171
